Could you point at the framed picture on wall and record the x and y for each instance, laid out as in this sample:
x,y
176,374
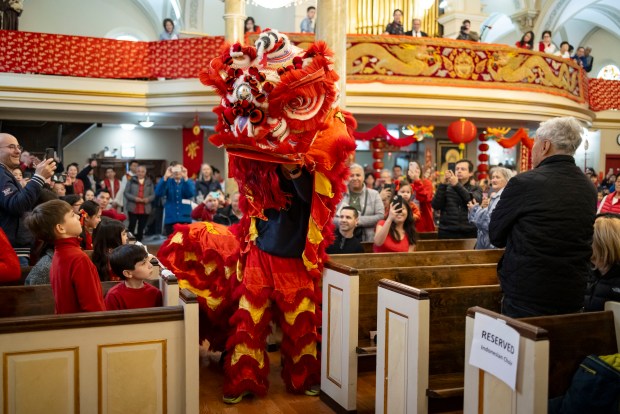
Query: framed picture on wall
x,y
448,154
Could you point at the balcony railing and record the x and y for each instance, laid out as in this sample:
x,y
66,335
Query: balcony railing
x,y
370,58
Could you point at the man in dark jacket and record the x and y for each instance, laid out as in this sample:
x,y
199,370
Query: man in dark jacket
x,y
545,220
451,200
345,242
15,201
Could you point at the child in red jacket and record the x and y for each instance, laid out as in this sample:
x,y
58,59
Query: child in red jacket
x,y
132,264
73,276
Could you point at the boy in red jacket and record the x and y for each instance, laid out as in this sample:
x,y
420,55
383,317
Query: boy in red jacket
x,y
131,263
73,276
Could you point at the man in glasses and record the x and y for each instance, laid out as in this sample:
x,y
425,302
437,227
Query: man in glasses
x,y
16,200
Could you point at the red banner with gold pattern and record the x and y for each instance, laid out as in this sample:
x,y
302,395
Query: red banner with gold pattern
x,y
193,144
604,94
53,54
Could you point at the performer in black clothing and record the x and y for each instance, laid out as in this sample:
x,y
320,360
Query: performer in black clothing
x,y
345,241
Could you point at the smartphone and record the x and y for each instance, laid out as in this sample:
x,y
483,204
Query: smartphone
x,y
49,153
397,200
388,186
451,166
59,178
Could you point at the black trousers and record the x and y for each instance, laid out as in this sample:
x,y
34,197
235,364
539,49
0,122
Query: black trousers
x,y
141,220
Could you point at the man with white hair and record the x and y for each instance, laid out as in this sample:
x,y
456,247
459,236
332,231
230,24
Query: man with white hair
x,y
366,201
545,221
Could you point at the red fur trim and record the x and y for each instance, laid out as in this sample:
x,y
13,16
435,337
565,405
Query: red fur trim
x,y
246,375
292,306
301,376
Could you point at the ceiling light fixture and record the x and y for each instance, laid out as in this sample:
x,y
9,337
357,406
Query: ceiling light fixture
x,y
128,127
148,123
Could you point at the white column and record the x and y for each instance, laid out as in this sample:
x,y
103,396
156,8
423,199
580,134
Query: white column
x,y
234,17
331,27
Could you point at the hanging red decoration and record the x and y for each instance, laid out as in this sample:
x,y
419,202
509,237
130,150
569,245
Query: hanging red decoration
x,y
377,165
519,136
380,131
483,137
462,131
377,154
483,147
482,176
483,157
483,168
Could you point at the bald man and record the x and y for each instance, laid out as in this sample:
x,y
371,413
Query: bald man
x,y
15,201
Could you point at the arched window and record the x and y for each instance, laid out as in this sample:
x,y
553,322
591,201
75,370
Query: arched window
x,y
609,72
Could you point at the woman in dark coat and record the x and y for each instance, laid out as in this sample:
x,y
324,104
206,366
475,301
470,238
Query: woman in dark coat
x,y
604,285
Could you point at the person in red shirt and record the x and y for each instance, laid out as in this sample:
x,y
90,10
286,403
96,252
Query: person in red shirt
x,y
74,279
131,263
207,209
90,216
397,232
9,263
423,194
103,199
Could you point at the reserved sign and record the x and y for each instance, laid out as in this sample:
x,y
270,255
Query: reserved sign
x,y
495,348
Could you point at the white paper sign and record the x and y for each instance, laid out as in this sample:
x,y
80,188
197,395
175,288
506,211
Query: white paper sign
x,y
495,348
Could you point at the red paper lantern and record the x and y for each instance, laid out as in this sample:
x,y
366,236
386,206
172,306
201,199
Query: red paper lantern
x,y
462,131
377,143
482,176
377,154
483,147
483,157
377,165
483,168
483,137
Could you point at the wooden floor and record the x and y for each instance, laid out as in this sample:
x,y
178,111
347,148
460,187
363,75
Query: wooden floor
x,y
277,400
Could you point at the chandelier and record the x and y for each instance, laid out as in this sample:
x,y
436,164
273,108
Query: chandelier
x,y
275,4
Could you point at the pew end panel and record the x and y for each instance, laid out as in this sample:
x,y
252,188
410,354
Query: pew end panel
x,y
402,369
338,356
614,307
120,361
484,393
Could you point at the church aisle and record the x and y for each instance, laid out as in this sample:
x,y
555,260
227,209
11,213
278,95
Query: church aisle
x,y
277,400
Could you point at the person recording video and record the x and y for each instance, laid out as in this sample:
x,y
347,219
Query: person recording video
x,y
178,189
466,33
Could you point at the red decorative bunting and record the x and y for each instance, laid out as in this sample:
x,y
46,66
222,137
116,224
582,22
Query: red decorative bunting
x,y
380,131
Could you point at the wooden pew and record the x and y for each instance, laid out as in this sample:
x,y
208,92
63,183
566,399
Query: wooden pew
x,y
350,299
434,245
420,346
118,361
427,235
547,359
39,299
438,258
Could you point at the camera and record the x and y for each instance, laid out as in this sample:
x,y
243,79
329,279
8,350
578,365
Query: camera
x,y
463,28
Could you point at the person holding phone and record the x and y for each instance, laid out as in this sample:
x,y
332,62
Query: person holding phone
x,y
397,232
480,214
423,195
15,200
178,189
451,201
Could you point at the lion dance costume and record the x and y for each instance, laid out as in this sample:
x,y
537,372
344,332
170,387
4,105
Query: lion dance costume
x,y
278,107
